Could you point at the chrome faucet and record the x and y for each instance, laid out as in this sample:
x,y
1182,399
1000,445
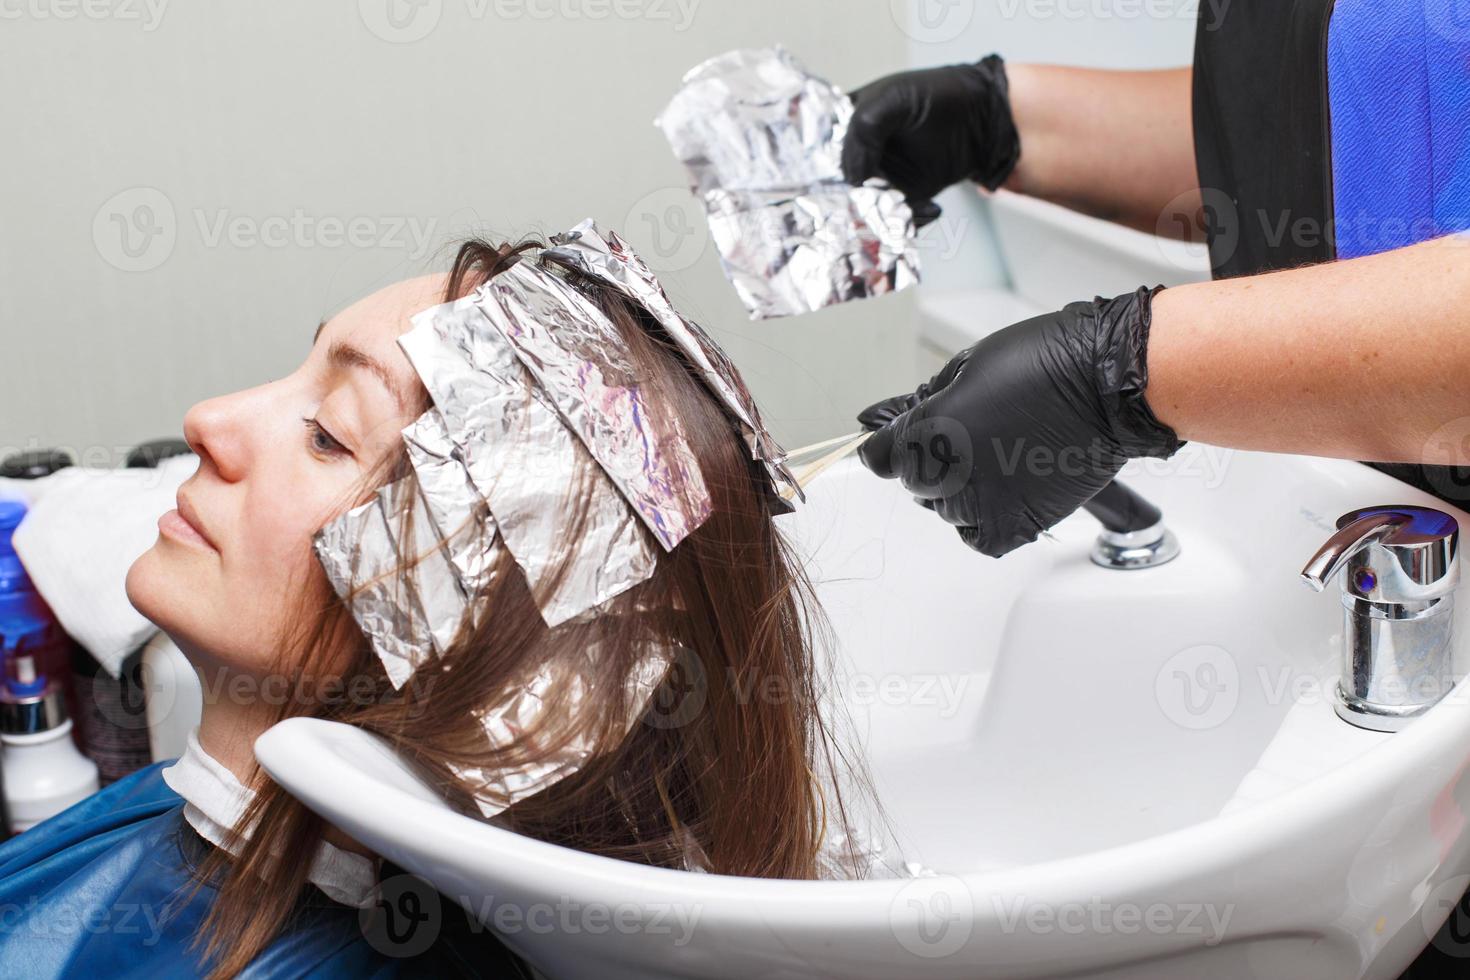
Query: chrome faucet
x,y
1401,566
1133,533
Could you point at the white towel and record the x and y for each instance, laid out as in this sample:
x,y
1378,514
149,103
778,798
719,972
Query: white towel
x,y
85,527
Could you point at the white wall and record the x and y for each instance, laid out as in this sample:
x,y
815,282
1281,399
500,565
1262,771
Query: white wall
x,y
463,115
1137,34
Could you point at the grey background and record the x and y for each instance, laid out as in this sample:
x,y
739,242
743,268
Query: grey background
x,y
188,188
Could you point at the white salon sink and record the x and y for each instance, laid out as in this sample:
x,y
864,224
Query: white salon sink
x,y
1122,774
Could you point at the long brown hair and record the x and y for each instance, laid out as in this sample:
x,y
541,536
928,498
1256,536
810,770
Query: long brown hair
x,y
719,768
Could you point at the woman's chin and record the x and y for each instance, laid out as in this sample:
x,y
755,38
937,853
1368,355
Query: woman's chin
x,y
148,586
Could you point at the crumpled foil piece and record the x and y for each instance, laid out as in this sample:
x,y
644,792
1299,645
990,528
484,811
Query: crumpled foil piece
x,y
582,363
359,554
762,140
495,790
605,256
456,511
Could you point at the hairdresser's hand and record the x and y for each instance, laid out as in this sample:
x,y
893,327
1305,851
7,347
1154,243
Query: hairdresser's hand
x,y
925,130
1023,428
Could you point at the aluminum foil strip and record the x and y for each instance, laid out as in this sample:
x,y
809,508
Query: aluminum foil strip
x,y
756,119
358,552
455,508
793,254
433,580
522,459
605,256
497,789
582,363
761,138
453,546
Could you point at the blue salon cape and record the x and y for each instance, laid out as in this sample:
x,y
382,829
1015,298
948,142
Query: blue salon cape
x,y
84,895
1398,82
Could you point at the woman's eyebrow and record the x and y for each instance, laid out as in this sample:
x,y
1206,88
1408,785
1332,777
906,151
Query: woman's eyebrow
x,y
342,355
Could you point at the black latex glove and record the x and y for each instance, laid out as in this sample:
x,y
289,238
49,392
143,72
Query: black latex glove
x,y
925,130
1021,429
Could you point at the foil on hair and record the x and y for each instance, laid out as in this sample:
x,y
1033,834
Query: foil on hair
x,y
536,400
524,710
606,257
761,138
359,553
526,463
456,511
580,360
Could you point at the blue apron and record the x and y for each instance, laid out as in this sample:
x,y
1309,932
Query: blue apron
x,y
96,891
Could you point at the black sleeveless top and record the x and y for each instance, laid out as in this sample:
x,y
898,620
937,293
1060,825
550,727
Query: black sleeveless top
x,y
1262,140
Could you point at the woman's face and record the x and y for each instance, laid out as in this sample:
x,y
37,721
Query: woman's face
x,y
276,463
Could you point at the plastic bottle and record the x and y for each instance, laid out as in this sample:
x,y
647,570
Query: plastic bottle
x,y
44,771
25,619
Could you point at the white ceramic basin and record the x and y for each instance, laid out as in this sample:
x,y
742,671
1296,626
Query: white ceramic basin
x,y
1129,774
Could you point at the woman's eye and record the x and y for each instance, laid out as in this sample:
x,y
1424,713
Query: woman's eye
x,y
321,440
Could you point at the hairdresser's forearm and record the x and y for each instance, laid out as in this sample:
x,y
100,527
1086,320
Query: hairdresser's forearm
x,y
1115,144
1361,359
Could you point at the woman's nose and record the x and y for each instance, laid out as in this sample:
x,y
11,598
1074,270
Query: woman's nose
x,y
222,431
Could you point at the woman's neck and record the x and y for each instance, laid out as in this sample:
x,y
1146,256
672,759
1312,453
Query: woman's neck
x,y
233,716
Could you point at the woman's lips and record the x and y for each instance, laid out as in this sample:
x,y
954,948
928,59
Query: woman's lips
x,y
175,526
